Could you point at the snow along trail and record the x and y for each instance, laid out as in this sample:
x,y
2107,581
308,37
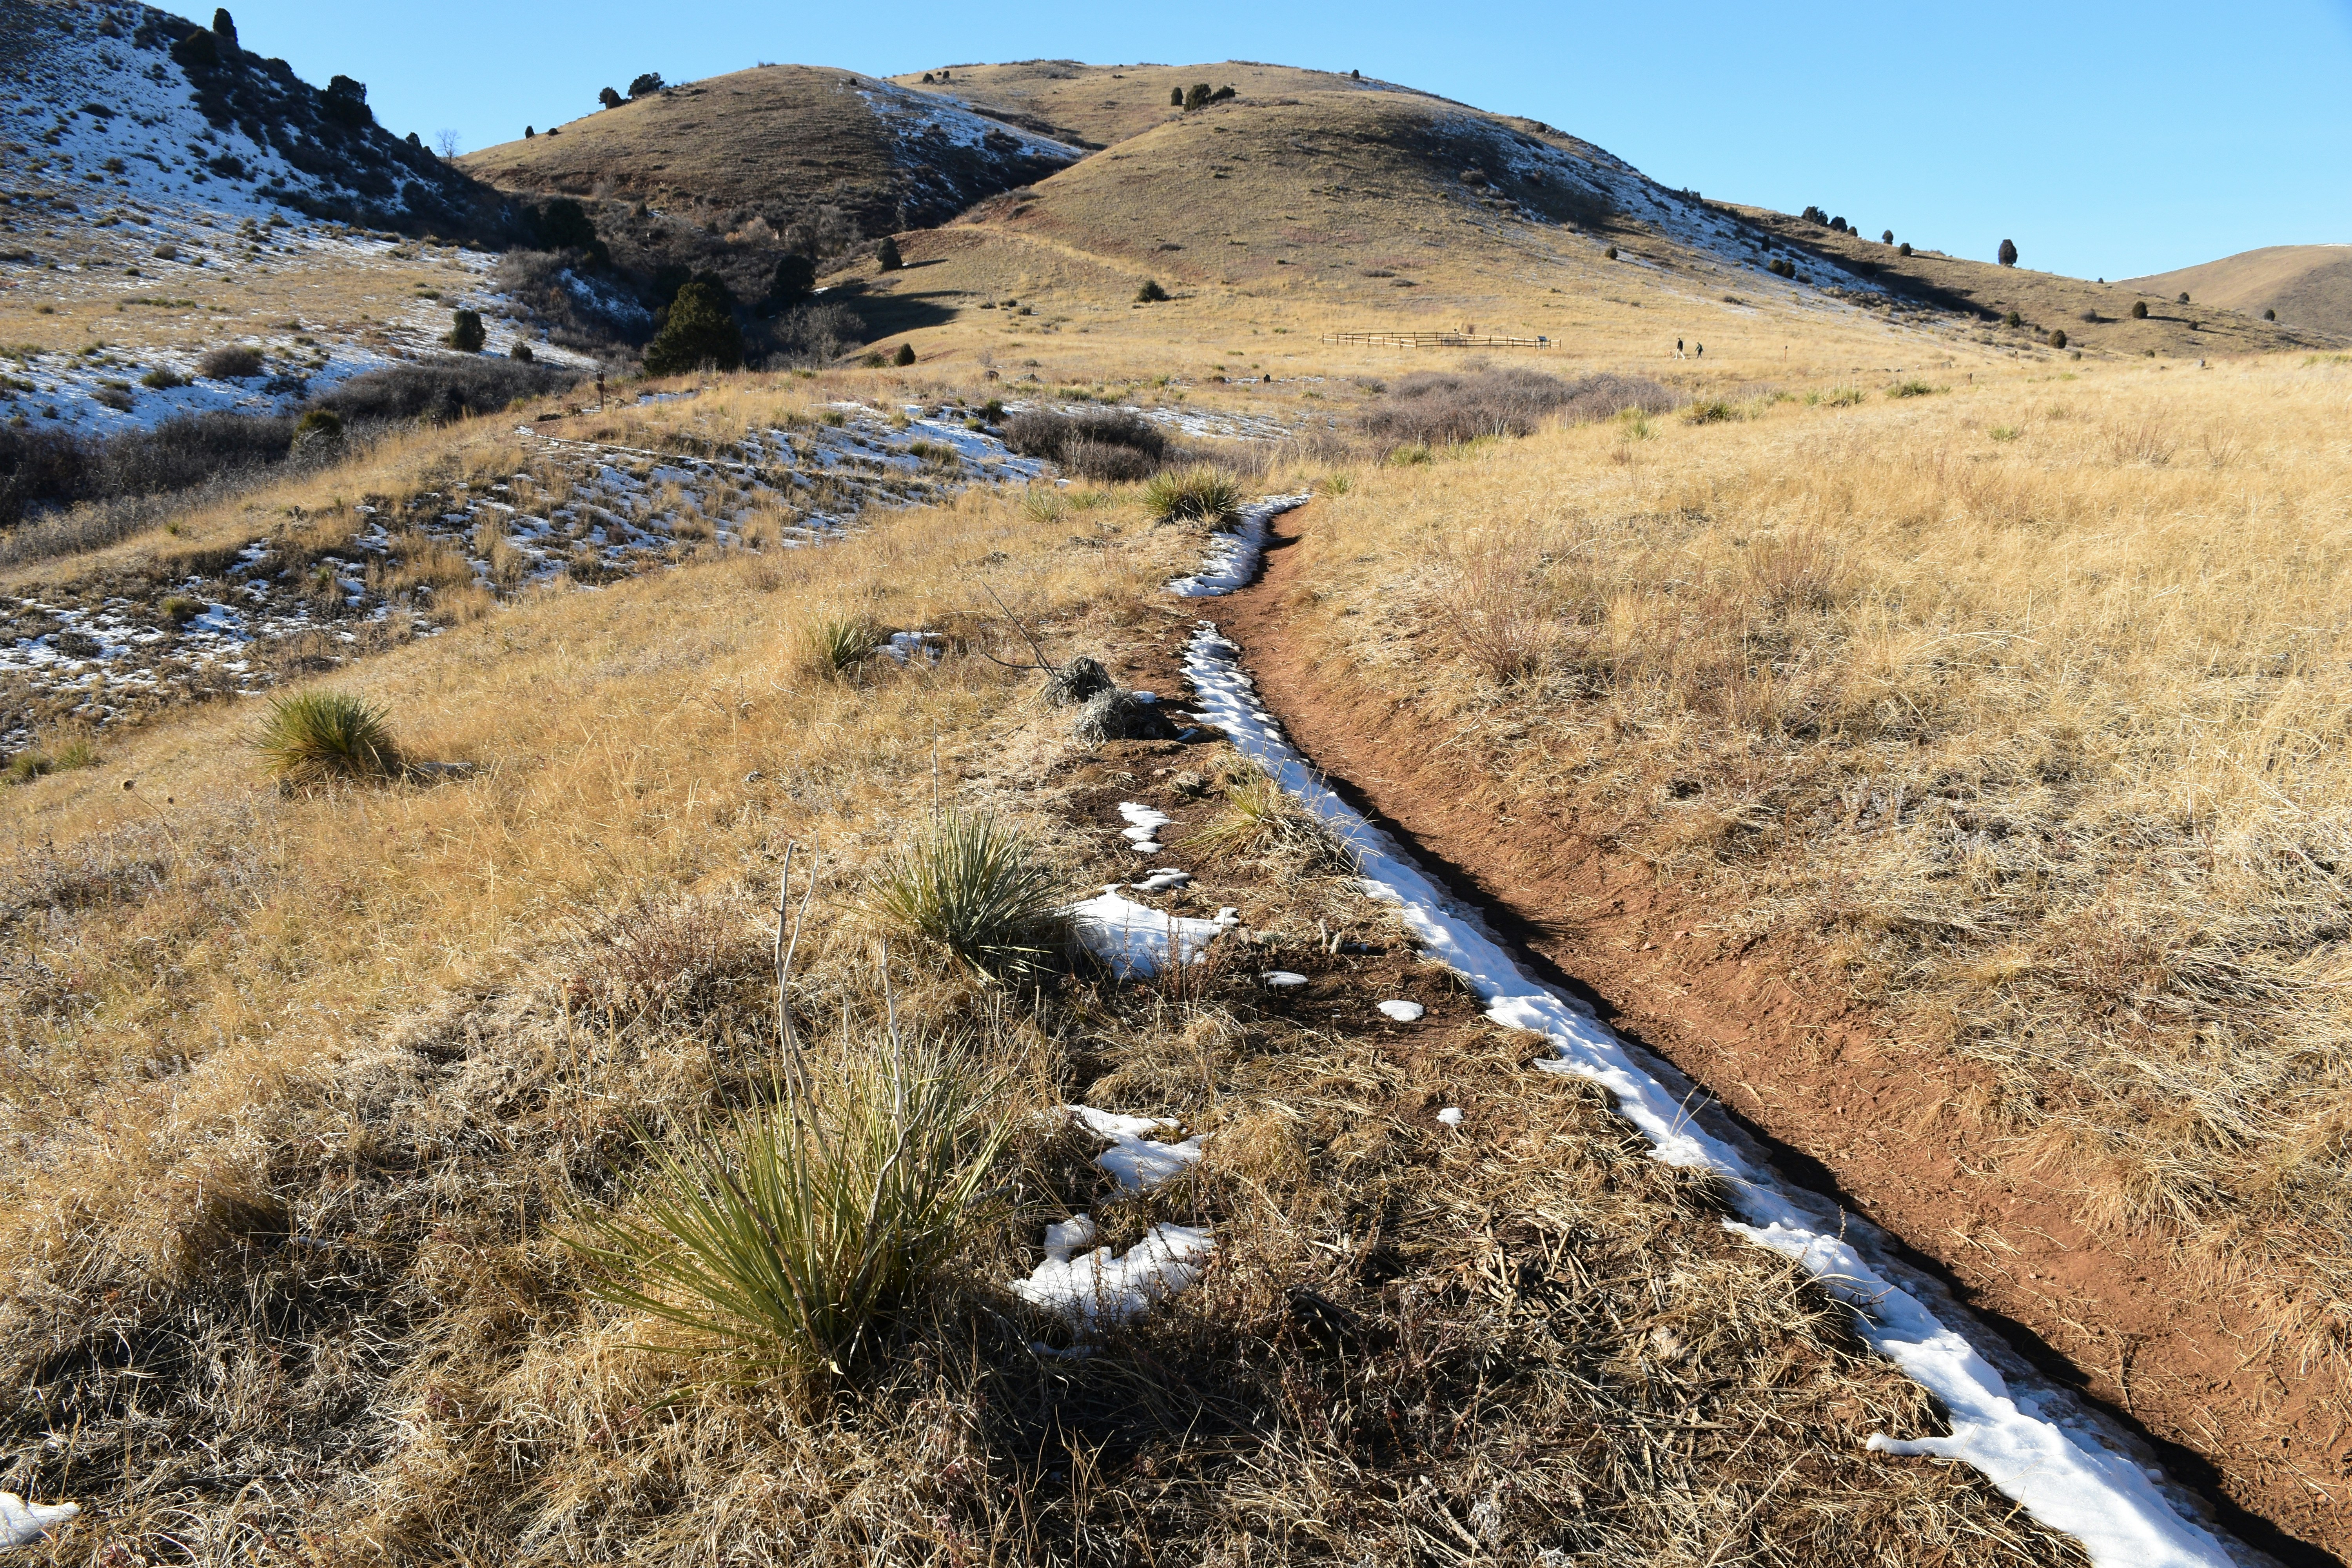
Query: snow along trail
x,y
1092,1289
2034,1443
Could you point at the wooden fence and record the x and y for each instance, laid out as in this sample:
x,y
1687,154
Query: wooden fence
x,y
1437,341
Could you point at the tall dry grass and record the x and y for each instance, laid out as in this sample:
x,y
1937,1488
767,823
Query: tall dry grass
x,y
2027,705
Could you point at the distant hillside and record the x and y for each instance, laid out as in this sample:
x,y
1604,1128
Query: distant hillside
x,y
778,157
1093,106
2309,286
113,101
2093,316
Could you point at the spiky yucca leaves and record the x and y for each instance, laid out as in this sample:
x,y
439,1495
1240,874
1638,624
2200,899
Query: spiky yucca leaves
x,y
1191,495
833,646
786,1241
319,737
972,884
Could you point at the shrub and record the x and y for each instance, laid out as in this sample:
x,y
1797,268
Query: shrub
x,y
179,609
2184,298
1175,97
1446,407
974,886
1082,680
794,276
1904,249
904,356
1711,411
1197,96
319,737
608,97
789,1240
442,388
2013,319
816,332
2057,337
834,646
1909,389
2139,310
1780,266
118,398
1837,224
1106,447
231,361
320,429
466,333
1200,494
699,330
887,256
344,99
646,85
1151,293
2009,253
522,351
2270,315
1887,238
162,378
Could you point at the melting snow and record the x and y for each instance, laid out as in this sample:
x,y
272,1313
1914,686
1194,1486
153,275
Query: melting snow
x,y
1403,1011
1137,940
1092,1287
2034,1442
1232,556
1144,825
22,1522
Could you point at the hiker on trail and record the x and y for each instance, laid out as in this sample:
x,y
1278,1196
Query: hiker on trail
x,y
1679,348
1702,351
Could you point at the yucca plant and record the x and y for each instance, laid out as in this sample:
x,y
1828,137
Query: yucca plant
x,y
786,1240
1261,821
833,646
316,737
973,884
1191,495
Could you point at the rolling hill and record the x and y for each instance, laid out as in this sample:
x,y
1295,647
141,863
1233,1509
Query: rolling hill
x,y
2310,286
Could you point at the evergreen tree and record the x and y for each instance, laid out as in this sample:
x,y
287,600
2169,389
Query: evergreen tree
x,y
904,356
795,276
466,334
887,254
2009,253
700,331
225,28
609,99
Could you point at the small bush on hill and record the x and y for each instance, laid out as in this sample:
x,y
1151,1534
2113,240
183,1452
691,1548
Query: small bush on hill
x,y
1710,411
1200,494
2008,253
887,256
700,330
794,276
1910,389
1904,249
834,646
904,356
2139,310
311,738
1175,97
1780,266
2057,337
2013,319
646,85
2184,298
2270,315
1106,447
234,361
1197,97
441,388
608,97
1610,254
162,378
1446,407
320,430
465,331
1151,293
522,351
1887,238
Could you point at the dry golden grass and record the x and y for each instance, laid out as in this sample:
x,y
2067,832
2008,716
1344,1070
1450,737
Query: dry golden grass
x,y
2023,703
305,1085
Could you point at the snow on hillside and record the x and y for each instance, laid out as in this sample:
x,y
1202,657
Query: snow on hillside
x,y
930,130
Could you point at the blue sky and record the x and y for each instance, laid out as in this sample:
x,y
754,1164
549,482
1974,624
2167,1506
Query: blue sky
x,y
2105,139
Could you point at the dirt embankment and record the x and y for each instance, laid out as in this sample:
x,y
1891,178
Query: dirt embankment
x,y
1849,1109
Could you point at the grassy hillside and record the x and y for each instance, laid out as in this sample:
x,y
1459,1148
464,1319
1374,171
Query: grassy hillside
x,y
2095,316
1093,106
2310,286
832,154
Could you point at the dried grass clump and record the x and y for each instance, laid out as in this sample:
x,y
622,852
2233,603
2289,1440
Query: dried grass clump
x,y
1105,446
312,738
789,1239
974,886
1260,823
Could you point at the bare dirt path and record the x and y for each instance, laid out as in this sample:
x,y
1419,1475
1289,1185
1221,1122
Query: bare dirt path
x,y
1845,1109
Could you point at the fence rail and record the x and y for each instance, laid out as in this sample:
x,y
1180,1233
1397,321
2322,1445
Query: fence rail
x,y
1438,340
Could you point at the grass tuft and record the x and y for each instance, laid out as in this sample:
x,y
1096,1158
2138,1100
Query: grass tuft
x,y
1263,824
787,1241
1200,494
973,884
319,737
831,646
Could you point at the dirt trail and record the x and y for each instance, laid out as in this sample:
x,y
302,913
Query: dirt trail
x,y
1845,1109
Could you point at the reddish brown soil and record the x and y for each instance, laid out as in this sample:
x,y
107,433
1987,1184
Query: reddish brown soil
x,y
1872,1117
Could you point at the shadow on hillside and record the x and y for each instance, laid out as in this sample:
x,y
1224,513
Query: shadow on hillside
x,y
886,315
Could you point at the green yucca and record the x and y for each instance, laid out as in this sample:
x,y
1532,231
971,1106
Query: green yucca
x,y
788,1238
1191,495
314,737
833,644
973,884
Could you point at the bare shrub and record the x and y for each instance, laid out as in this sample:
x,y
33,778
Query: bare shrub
x,y
1492,605
231,361
1448,407
442,388
675,963
816,333
1106,446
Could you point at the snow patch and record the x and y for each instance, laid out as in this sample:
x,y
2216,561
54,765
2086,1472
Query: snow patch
x,y
1093,1289
22,1522
1143,825
1137,941
1232,556
1403,1011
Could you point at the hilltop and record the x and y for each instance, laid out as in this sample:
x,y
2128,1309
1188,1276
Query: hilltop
x,y
2310,286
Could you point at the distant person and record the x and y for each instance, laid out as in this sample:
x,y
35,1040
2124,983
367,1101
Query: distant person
x,y
1699,350
1679,348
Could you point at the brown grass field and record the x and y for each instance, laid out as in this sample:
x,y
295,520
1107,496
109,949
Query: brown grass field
x,y
1930,741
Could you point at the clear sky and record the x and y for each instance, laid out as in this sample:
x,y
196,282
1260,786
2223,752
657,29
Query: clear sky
x,y
2107,139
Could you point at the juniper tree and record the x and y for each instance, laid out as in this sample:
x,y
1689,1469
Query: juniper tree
x,y
2009,253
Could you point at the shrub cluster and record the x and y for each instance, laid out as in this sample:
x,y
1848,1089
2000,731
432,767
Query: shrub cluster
x,y
41,468
233,361
442,388
1446,407
1103,446
700,329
